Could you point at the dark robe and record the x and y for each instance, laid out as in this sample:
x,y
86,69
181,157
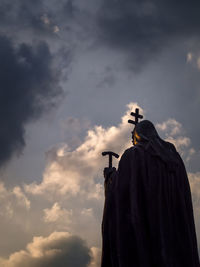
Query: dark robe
x,y
148,216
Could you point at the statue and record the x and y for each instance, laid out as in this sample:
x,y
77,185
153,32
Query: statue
x,y
148,216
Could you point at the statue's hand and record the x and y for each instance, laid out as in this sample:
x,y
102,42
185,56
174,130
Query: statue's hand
x,y
108,171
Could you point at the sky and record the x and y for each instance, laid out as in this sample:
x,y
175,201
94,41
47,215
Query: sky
x,y
71,73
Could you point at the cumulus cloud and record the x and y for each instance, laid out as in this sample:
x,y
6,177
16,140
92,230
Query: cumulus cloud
x,y
14,217
22,199
73,172
174,132
11,199
73,180
75,175
70,196
58,249
56,214
71,130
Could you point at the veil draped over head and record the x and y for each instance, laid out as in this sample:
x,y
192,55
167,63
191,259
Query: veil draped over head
x,y
149,138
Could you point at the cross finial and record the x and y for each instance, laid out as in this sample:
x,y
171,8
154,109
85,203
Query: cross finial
x,y
136,115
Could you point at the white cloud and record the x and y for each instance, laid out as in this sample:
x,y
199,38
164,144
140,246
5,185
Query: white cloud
x,y
22,199
173,132
171,127
74,179
70,196
12,200
96,257
87,212
57,214
56,179
72,172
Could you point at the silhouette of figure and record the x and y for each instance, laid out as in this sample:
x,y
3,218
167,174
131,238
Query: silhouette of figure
x,y
148,216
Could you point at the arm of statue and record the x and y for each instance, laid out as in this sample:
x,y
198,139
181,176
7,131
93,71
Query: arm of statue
x,y
108,173
111,174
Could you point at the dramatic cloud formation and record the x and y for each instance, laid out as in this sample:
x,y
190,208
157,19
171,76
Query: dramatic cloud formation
x,y
70,196
29,86
137,27
106,53
70,172
73,171
59,249
145,27
60,23
26,15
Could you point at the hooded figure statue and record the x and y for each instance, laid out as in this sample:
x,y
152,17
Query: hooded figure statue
x,y
148,216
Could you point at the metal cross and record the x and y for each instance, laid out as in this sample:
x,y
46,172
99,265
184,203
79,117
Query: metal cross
x,y
136,115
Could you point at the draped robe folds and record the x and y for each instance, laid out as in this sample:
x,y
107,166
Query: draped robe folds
x,y
148,216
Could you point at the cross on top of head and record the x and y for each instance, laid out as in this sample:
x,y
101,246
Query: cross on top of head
x,y
136,115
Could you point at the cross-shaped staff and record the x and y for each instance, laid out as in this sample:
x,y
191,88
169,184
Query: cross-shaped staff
x,y
136,115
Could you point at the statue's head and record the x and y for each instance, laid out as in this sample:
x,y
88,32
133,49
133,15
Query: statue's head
x,y
135,137
143,131
145,134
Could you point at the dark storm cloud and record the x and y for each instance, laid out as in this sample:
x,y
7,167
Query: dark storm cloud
x,y
59,249
160,33
23,13
74,253
29,86
38,17
144,27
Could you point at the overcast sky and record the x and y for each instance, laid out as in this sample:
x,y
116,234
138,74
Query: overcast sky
x,y
71,71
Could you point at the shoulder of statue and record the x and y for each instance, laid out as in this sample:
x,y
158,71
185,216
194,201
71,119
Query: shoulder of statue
x,y
171,146
130,156
131,151
128,151
135,149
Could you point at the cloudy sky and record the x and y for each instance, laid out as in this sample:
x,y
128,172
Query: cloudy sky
x,y
71,71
